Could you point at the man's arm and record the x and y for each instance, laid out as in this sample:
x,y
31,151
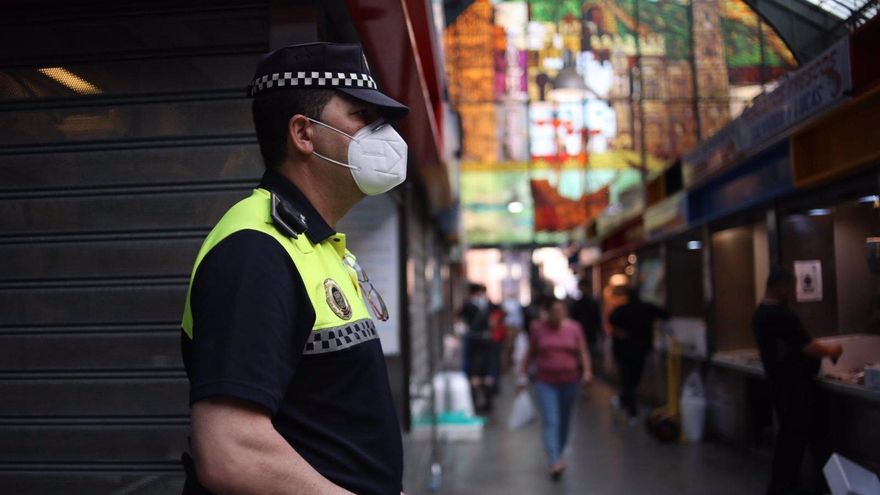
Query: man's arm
x,y
659,313
797,337
238,451
820,350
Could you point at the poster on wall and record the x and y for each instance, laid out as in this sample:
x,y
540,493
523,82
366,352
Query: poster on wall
x,y
809,280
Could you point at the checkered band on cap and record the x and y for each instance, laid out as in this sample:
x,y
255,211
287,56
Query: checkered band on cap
x,y
311,80
341,338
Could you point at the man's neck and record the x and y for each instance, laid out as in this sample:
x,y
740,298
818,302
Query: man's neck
x,y
330,206
773,301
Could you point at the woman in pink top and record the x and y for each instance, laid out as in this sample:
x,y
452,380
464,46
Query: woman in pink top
x,y
559,353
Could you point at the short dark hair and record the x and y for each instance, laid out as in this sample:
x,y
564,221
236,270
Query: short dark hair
x,y
272,112
780,276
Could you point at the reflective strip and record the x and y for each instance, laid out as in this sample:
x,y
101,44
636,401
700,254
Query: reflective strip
x,y
341,338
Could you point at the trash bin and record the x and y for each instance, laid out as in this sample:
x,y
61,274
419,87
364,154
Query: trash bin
x,y
693,408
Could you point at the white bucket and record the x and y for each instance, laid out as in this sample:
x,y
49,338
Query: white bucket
x,y
693,418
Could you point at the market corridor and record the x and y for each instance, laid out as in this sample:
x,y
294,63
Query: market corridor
x,y
606,456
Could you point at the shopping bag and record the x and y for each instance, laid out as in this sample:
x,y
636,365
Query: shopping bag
x,y
522,412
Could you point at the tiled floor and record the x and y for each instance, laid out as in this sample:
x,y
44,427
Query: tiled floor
x,y
606,456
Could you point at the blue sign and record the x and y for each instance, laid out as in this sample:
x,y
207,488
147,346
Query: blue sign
x,y
757,180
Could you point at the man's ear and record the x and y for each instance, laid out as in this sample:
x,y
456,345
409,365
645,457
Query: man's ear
x,y
299,133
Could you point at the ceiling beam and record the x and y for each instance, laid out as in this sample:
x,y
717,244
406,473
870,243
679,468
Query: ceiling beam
x,y
805,28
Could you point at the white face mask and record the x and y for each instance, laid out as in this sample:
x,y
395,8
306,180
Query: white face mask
x,y
481,301
376,157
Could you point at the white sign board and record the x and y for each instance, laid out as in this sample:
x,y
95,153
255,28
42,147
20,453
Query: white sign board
x,y
372,235
809,280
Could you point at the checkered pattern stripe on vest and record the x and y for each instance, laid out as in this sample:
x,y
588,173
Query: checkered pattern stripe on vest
x,y
312,80
341,338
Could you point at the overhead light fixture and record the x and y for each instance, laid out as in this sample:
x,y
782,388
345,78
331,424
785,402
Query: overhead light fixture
x,y
515,271
694,245
869,199
515,205
568,86
70,80
819,212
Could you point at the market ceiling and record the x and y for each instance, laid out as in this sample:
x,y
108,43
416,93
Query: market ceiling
x,y
808,27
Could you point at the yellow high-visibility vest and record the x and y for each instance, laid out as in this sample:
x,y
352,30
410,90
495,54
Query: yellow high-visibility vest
x,y
341,317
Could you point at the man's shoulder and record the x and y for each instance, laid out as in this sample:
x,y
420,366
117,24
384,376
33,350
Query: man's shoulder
x,y
249,242
773,318
765,310
247,251
468,308
624,308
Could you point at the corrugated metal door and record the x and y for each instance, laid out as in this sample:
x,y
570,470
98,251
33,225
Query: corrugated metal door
x,y
124,135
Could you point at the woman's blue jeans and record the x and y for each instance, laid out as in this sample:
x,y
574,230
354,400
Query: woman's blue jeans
x,y
556,402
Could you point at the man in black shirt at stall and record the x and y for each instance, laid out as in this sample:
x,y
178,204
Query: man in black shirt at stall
x,y
791,359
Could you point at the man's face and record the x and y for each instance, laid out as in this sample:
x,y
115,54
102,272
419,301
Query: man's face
x,y
479,298
349,116
784,291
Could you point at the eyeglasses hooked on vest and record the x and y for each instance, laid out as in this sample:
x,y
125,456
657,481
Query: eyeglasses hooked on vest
x,y
377,304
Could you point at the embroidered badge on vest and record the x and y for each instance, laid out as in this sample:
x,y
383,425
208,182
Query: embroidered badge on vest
x,y
336,299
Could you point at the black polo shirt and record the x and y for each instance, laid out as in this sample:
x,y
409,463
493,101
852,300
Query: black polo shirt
x,y
781,338
636,319
252,317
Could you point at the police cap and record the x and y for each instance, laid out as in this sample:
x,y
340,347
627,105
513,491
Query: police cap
x,y
339,66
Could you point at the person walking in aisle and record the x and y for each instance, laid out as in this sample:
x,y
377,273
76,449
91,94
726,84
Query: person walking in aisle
x,y
478,346
559,352
585,310
632,339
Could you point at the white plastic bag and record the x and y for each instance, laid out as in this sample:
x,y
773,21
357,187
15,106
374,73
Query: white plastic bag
x,y
522,412
520,349
693,386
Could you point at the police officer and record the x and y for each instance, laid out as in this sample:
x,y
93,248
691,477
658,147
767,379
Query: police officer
x,y
288,385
